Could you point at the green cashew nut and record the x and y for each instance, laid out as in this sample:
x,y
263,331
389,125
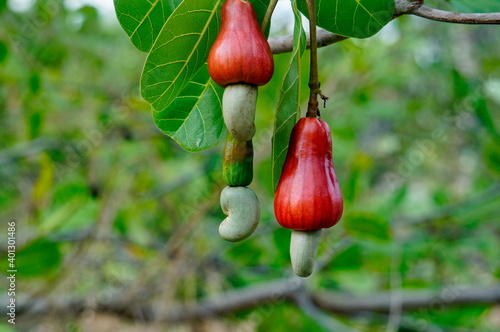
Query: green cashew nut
x,y
237,162
238,109
242,208
303,249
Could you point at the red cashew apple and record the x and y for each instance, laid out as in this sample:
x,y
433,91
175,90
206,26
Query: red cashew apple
x,y
241,53
308,197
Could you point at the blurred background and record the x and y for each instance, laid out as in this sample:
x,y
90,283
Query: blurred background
x,y
117,226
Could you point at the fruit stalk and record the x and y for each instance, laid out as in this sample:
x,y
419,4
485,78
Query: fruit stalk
x,y
314,84
267,17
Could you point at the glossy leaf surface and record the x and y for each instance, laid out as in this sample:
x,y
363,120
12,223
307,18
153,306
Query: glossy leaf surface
x,y
352,18
179,51
288,108
194,118
142,20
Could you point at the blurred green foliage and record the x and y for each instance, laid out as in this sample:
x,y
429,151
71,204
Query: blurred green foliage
x,y
108,207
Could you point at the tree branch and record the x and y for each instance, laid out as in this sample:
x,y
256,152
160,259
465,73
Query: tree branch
x,y
284,44
305,303
271,293
452,17
409,7
434,300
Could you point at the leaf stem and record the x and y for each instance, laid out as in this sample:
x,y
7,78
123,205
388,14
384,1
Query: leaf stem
x,y
267,17
314,84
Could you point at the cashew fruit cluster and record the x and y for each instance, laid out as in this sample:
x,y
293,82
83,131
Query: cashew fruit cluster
x,y
240,60
308,196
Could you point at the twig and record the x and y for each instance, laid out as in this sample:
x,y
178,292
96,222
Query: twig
x,y
409,299
303,300
285,44
272,292
314,84
452,17
267,16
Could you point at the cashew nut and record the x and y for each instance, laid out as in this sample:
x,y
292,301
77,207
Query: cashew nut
x,y
303,249
242,208
238,109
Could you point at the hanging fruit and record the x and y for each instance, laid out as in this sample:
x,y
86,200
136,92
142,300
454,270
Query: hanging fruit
x,y
240,60
308,196
241,53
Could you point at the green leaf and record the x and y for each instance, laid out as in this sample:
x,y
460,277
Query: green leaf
x,y
179,51
352,18
194,118
288,109
142,20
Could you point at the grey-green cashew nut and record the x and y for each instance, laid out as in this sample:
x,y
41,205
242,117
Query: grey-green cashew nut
x,y
303,249
238,109
242,208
